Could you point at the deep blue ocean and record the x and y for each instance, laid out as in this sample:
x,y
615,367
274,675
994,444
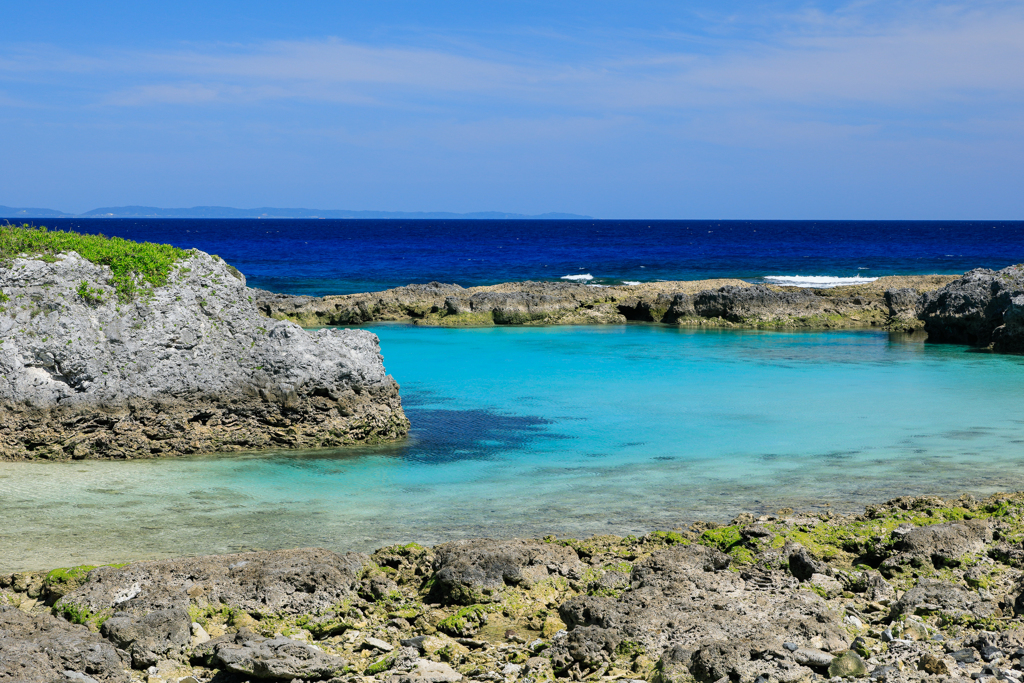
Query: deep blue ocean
x,y
526,431
343,256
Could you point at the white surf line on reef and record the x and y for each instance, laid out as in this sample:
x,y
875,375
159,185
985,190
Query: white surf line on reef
x,y
818,281
583,277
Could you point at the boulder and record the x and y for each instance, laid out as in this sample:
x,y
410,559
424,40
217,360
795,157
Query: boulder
x,y
932,596
938,544
982,308
803,565
848,665
306,580
277,658
473,571
191,366
159,634
758,303
40,648
903,306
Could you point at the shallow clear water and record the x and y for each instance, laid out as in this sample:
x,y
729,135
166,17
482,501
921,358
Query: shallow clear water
x,y
565,430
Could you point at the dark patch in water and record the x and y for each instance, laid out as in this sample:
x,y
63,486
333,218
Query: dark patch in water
x,y
630,444
839,455
966,434
448,435
664,457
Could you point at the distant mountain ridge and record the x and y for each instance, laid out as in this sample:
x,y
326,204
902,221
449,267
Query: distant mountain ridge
x,y
270,212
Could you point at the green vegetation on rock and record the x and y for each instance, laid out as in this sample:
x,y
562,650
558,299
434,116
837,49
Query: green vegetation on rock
x,y
136,266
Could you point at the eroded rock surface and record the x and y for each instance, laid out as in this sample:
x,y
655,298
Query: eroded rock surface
x,y
275,658
723,303
468,572
40,648
306,580
982,308
188,367
769,597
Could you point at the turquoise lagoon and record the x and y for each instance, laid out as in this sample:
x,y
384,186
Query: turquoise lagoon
x,y
563,430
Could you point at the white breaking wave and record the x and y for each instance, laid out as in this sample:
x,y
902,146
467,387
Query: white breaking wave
x,y
580,278
631,283
817,281
605,286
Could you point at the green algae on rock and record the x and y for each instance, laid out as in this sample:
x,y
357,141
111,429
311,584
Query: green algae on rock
x,y
692,606
191,366
700,303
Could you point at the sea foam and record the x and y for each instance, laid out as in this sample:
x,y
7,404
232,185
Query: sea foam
x,y
818,281
584,277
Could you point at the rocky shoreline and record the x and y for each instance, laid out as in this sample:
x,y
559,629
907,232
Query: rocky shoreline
x,y
982,308
710,303
914,589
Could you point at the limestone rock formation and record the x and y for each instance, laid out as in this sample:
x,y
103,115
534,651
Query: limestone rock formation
x,y
289,581
982,308
472,571
41,648
696,303
188,367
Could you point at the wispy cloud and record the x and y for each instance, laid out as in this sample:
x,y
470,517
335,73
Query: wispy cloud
x,y
813,58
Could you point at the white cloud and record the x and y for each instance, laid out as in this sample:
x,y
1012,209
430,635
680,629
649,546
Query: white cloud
x,y
933,55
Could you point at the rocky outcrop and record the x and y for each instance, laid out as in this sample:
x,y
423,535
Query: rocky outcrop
x,y
982,308
758,303
188,367
722,303
40,648
940,545
158,635
275,658
771,598
306,580
473,571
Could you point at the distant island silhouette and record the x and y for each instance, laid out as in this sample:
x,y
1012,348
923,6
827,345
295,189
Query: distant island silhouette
x,y
269,212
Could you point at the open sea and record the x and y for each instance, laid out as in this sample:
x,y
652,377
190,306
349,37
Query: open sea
x,y
565,430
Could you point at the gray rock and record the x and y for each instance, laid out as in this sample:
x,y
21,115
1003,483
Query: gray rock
x,y
472,571
981,308
903,305
42,648
157,635
426,671
939,544
739,659
870,583
803,565
683,599
809,656
412,301
378,644
306,580
278,657
758,303
931,596
191,367
516,303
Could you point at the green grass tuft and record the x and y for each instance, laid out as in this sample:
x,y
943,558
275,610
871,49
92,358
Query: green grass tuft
x,y
136,266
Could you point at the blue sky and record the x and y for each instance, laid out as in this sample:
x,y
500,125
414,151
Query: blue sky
x,y
617,110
